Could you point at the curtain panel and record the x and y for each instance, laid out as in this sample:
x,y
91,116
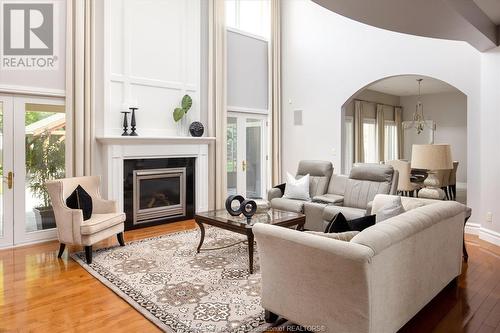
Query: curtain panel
x,y
80,73
217,100
359,153
398,118
275,91
380,132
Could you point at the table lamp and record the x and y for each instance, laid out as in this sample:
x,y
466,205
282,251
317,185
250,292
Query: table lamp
x,y
431,157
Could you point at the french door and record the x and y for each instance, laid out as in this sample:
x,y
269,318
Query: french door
x,y
32,151
247,154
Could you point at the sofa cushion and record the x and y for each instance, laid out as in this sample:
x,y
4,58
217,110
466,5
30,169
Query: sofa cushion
x,y
297,188
392,208
290,205
373,172
319,175
359,193
350,213
337,184
394,230
100,222
343,236
329,198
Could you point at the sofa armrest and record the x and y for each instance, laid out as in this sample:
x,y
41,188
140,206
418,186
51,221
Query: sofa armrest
x,y
102,206
369,206
300,266
274,193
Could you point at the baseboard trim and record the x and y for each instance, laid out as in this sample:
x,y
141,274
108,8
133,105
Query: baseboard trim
x,y
472,228
489,236
27,243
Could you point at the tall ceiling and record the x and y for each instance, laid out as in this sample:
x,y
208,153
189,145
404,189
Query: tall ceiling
x,y
475,22
406,85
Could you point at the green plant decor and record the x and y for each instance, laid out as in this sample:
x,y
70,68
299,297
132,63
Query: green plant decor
x,y
45,160
186,104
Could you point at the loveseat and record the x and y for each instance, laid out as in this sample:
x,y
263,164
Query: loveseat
x,y
352,195
376,282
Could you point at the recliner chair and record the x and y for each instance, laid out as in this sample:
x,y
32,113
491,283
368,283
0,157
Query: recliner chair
x,y
319,172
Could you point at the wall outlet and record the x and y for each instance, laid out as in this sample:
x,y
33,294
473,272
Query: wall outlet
x,y
334,152
489,217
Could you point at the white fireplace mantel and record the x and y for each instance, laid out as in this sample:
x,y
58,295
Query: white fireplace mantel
x,y
116,149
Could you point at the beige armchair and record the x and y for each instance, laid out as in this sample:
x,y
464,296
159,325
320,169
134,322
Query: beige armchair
x,y
105,221
405,186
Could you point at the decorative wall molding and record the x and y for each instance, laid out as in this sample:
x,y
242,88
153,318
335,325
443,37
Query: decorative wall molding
x,y
157,79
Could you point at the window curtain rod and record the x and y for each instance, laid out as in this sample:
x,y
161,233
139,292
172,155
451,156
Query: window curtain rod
x,y
372,102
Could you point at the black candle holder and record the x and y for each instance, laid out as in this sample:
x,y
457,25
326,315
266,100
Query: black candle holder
x,y
132,123
125,123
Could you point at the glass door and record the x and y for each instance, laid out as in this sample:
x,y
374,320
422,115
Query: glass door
x,y
6,172
246,154
40,146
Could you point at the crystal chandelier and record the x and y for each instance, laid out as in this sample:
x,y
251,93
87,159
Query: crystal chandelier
x,y
418,116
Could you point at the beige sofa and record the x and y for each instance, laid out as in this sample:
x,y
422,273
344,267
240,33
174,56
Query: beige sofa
x,y
375,282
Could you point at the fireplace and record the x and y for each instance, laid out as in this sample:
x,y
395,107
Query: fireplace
x,y
158,191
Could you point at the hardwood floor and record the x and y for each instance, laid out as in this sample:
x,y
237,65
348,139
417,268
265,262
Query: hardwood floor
x,y
40,293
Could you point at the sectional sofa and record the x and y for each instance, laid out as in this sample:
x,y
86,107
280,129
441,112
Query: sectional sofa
x,y
375,282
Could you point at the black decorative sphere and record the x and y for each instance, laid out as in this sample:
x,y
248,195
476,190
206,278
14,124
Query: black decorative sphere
x,y
248,208
196,129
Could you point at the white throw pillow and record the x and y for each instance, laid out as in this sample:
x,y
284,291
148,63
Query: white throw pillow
x,y
390,209
297,188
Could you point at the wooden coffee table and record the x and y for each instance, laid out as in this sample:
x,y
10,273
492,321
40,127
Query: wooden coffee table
x,y
238,224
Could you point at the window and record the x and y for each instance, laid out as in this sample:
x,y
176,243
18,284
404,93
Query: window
x,y
250,16
348,144
390,141
370,141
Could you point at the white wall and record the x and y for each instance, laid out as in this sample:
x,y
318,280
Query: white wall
x,y
449,113
152,58
489,164
326,58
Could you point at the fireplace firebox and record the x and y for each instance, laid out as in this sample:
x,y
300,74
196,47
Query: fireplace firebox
x,y
158,191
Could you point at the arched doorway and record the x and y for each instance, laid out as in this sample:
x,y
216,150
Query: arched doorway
x,y
378,122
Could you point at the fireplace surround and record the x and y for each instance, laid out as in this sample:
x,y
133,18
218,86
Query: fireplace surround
x,y
158,190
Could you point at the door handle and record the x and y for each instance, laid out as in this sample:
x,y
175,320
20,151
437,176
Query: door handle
x,y
244,165
10,180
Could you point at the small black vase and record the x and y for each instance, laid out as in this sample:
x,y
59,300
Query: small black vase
x,y
196,129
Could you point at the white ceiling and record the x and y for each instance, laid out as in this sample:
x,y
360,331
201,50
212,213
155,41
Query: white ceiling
x,y
491,8
406,85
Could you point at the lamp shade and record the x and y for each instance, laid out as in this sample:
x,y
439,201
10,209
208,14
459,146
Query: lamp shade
x,y
431,157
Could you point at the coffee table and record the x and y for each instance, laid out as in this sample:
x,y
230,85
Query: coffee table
x,y
238,224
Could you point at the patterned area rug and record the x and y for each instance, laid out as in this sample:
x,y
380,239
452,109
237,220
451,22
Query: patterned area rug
x,y
182,291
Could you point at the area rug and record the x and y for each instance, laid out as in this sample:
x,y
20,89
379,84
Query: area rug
x,y
179,290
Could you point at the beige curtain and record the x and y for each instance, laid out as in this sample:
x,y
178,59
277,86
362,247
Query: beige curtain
x,y
398,118
217,99
275,90
380,131
359,153
80,65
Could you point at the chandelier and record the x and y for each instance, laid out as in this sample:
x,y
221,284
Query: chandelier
x,y
418,117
